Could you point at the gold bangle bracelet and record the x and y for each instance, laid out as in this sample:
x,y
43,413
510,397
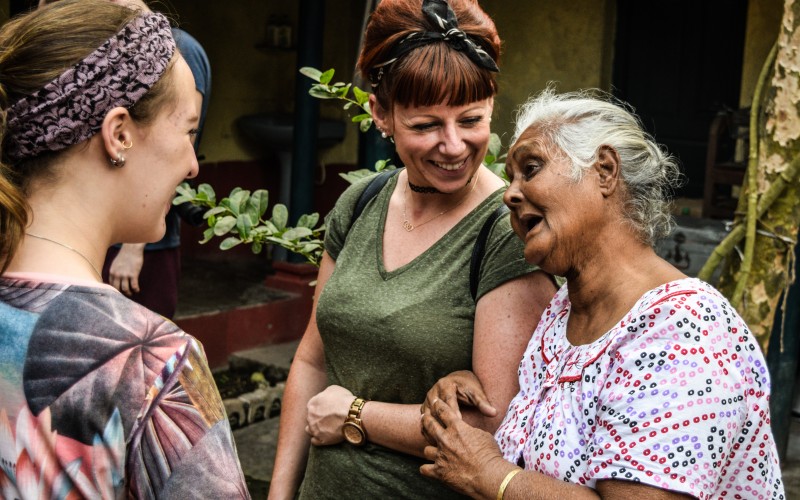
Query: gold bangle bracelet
x,y
506,480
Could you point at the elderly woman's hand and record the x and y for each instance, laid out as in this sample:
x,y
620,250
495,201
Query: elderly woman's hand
x,y
327,412
459,387
462,455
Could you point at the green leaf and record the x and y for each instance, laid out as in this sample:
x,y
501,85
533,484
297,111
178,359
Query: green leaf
x,y
296,233
214,211
259,201
207,235
321,92
185,190
231,207
347,105
365,125
361,117
360,95
182,199
278,241
243,225
256,247
224,225
355,175
229,243
208,191
342,92
269,227
326,77
308,220
489,159
310,72
495,145
239,201
280,216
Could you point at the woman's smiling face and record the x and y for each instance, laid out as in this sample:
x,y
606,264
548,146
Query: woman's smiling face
x,y
551,212
442,146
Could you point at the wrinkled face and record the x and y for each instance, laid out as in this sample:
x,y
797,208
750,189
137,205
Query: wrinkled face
x,y
442,146
553,215
163,155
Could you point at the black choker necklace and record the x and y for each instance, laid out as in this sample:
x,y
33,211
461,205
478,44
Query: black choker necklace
x,y
423,189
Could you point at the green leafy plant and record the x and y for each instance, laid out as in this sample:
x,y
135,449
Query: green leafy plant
x,y
324,89
240,219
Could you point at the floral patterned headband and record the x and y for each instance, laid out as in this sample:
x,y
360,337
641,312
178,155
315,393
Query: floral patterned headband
x,y
441,15
71,108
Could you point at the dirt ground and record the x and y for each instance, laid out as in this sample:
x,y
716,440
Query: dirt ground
x,y
213,284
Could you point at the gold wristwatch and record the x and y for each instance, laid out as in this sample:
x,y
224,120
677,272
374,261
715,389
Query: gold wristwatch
x,y
352,430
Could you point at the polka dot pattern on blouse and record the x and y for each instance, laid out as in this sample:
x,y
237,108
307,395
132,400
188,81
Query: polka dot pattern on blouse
x,y
676,395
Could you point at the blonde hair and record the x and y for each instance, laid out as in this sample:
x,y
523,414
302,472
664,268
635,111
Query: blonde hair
x,y
34,49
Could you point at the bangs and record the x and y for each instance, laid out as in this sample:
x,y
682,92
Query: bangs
x,y
435,74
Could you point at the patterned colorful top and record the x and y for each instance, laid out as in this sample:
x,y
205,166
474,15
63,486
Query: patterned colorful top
x,y
102,398
676,395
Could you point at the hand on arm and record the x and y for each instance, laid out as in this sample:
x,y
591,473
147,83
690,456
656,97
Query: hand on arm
x,y
461,388
468,460
391,425
505,319
123,274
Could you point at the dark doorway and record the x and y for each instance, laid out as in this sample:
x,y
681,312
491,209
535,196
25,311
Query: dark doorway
x,y
679,62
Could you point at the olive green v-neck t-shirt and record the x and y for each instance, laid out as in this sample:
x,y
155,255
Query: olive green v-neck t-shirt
x,y
389,336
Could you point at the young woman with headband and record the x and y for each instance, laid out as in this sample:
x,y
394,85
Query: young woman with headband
x,y
393,310
99,397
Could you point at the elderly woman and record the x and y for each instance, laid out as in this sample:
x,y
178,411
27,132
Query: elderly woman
x,y
638,381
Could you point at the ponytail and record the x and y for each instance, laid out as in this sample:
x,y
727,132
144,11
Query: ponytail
x,y
13,205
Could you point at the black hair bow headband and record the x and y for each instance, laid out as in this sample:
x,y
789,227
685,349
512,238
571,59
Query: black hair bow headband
x,y
441,15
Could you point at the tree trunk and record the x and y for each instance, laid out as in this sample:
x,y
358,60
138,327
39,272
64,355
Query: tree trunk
x,y
756,282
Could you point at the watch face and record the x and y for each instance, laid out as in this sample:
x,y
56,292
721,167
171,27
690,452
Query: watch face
x,y
353,433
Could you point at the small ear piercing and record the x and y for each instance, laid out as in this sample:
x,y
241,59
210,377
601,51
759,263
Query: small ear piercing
x,y
120,161
383,133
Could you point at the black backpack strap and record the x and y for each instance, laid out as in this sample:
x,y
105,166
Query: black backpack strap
x,y
373,188
479,249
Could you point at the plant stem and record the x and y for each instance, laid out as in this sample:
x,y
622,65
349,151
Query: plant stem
x,y
726,246
752,182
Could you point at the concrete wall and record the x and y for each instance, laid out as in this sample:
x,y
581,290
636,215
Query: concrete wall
x,y
247,79
570,43
763,24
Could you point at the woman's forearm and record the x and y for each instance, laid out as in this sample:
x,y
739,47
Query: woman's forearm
x,y
290,460
395,426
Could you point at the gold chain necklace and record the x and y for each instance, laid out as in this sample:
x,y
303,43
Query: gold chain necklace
x,y
408,226
98,273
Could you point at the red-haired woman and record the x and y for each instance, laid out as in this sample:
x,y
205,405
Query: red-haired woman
x,y
393,310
